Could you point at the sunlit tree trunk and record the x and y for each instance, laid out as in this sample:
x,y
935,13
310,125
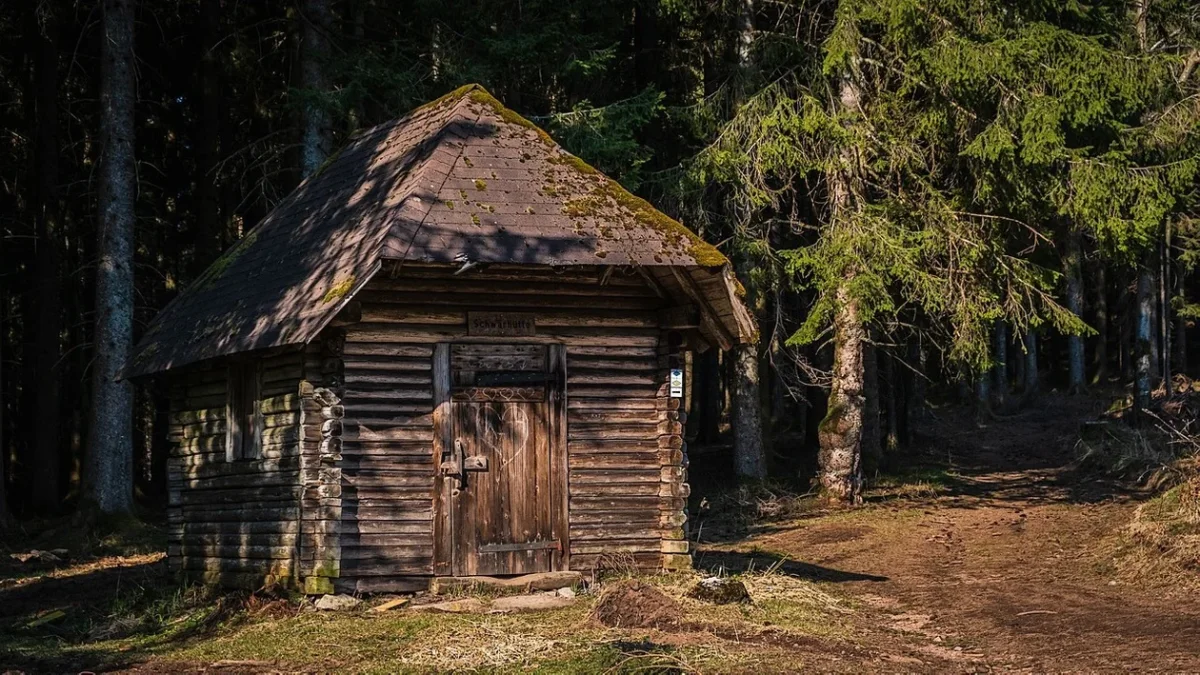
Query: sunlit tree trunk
x,y
109,475
750,457
841,432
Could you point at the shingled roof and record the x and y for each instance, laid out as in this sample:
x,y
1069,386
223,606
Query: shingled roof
x,y
462,175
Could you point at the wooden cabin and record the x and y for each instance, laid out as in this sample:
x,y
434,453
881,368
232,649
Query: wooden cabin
x,y
456,350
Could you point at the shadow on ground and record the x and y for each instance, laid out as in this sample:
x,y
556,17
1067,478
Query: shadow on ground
x,y
738,562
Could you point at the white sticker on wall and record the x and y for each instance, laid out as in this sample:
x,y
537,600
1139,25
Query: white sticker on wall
x,y
677,383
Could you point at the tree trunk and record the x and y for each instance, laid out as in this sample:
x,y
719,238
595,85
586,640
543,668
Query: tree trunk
x,y
891,401
1181,350
45,465
1000,365
872,442
1100,355
914,398
750,458
1073,263
1031,363
5,515
749,453
316,129
1143,340
109,482
841,432
208,194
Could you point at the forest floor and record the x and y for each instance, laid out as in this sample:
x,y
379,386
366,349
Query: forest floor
x,y
991,552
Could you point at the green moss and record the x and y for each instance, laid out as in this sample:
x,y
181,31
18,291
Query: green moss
x,y
446,98
467,161
450,204
216,270
833,419
339,289
481,95
475,218
463,194
481,184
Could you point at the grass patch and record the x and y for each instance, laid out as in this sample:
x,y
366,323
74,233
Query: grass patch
x,y
920,482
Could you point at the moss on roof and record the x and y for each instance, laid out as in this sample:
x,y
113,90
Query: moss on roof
x,y
339,289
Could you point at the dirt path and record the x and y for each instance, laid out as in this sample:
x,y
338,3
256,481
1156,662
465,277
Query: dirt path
x,y
1011,570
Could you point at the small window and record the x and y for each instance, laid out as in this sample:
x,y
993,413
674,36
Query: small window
x,y
243,411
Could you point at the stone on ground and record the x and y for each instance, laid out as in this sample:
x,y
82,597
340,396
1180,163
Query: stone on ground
x,y
463,606
529,603
720,591
336,603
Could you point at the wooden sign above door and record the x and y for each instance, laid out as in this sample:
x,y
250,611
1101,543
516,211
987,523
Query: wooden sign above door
x,y
501,324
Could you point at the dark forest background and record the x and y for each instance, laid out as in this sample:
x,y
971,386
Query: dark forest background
x,y
963,201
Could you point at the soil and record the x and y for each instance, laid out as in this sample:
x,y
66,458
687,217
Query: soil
x,y
633,604
1011,569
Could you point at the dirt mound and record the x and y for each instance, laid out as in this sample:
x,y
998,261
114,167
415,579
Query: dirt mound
x,y
633,604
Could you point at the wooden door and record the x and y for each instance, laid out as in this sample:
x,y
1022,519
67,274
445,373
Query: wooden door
x,y
505,470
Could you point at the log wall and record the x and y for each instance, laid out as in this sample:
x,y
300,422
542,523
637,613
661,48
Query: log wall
x,y
234,523
627,482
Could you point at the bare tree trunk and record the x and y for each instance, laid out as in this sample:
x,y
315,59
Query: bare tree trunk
x,y
208,195
1000,362
46,465
109,475
1031,363
1143,340
1073,262
749,453
1181,346
840,434
914,399
891,401
750,458
872,441
316,129
5,514
1100,356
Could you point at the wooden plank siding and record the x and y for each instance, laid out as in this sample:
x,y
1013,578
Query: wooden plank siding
x,y
235,523
627,491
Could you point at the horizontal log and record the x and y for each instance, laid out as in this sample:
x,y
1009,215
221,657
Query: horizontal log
x,y
611,546
366,568
583,478
586,562
409,353
383,584
262,566
407,556
415,529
